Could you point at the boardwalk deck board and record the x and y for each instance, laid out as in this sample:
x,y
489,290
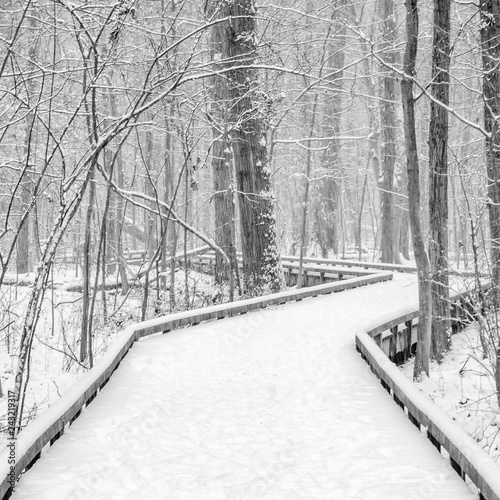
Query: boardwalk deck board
x,y
275,404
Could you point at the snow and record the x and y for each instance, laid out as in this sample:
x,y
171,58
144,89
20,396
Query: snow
x,y
53,369
463,386
275,404
437,419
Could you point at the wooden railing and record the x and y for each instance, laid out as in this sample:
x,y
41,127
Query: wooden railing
x,y
352,263
128,256
51,424
133,256
395,336
400,268
317,272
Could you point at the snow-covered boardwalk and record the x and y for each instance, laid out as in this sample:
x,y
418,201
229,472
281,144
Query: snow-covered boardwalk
x,y
275,404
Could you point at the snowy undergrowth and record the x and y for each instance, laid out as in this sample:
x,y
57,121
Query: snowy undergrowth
x,y
462,386
54,365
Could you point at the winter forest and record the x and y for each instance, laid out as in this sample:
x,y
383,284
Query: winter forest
x,y
135,133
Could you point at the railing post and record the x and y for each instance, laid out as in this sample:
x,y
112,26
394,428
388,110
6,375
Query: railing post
x,y
407,339
456,467
434,441
398,401
413,420
393,341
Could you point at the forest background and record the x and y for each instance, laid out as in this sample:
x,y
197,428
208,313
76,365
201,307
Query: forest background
x,y
134,132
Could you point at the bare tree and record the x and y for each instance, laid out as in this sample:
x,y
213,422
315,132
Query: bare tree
x,y
328,214
224,207
25,238
389,244
424,284
490,48
261,265
438,182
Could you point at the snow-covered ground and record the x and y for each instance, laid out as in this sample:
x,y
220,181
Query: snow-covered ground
x,y
463,386
275,404
52,369
54,365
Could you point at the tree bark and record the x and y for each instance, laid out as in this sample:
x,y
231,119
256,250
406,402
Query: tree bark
x,y
87,256
403,216
389,244
421,258
438,180
24,241
170,233
490,48
150,190
115,221
224,208
305,203
328,213
261,266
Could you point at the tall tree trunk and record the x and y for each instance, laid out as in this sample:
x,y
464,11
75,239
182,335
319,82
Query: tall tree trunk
x,y
87,258
92,130
170,233
328,211
261,266
110,250
438,179
115,220
24,238
168,229
120,217
224,209
150,189
490,47
311,109
149,216
24,243
389,244
403,216
372,108
305,203
421,258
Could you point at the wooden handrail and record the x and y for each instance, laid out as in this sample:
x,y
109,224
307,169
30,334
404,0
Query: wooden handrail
x,y
465,455
352,263
313,273
288,260
333,267
50,425
401,268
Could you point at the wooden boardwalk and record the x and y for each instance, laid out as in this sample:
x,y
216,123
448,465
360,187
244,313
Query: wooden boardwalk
x,y
275,404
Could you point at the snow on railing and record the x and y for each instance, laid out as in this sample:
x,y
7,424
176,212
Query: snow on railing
x,y
286,259
400,268
352,263
466,457
42,432
315,273
131,256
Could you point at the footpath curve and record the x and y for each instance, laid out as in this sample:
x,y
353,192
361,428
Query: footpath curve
x,y
24,451
275,404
